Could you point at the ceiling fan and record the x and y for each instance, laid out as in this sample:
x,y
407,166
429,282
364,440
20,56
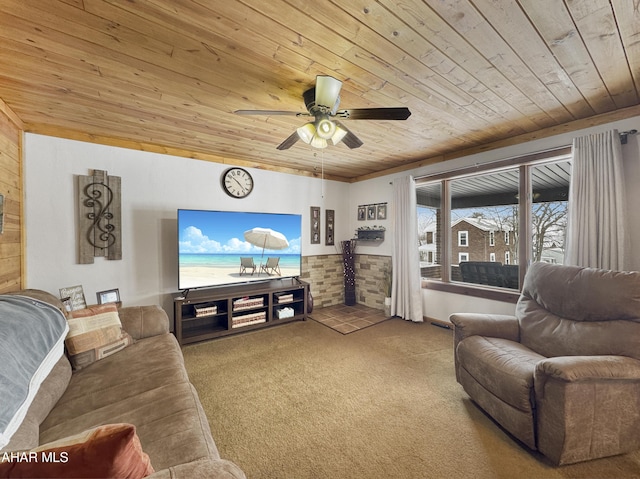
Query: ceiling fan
x,y
322,103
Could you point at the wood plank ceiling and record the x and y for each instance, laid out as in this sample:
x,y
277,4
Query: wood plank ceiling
x,y
167,75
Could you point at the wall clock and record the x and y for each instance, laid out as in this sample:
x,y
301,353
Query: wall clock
x,y
237,182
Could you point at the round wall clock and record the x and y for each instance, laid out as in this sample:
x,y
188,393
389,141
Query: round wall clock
x,y
237,182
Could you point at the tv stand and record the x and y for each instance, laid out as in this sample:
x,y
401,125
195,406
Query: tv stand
x,y
217,312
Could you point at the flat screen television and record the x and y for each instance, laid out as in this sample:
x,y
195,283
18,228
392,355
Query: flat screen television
x,y
218,248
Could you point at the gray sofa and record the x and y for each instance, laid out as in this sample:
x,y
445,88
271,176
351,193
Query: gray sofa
x,y
563,374
144,384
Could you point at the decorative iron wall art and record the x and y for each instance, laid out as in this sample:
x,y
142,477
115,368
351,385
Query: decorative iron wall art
x,y
99,217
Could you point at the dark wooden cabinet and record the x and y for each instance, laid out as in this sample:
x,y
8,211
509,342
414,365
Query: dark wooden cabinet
x,y
216,312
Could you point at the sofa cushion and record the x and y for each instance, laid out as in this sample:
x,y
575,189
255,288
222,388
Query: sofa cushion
x,y
112,450
147,385
504,368
95,333
31,343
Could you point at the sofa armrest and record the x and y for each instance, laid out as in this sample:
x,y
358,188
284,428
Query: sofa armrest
x,y
203,469
492,325
144,321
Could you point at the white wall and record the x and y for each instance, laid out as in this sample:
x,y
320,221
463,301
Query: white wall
x,y
438,304
154,186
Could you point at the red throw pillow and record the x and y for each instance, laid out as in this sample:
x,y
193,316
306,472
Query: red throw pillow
x,y
113,450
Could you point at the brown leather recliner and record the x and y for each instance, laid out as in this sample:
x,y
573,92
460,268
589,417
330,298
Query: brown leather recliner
x,y
563,375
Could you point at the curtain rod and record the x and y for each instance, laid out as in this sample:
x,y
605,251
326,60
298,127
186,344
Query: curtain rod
x,y
624,134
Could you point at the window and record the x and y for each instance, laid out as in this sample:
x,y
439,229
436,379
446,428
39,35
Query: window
x,y
524,200
430,230
463,238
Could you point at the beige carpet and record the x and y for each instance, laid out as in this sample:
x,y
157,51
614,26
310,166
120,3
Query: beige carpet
x,y
303,401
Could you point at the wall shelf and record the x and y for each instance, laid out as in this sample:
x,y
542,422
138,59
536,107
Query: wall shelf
x,y
370,235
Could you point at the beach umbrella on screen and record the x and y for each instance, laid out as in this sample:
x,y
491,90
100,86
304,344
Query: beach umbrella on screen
x,y
266,238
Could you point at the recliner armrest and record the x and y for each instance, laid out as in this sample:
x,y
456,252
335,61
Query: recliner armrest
x,y
144,321
581,368
493,325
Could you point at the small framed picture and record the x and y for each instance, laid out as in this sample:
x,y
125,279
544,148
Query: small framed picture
x,y
382,211
108,296
362,213
371,212
330,220
315,225
73,298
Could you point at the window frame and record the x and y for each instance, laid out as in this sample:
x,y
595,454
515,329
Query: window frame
x,y
465,235
525,163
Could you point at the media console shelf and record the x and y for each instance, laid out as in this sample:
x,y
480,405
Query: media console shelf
x,y
216,312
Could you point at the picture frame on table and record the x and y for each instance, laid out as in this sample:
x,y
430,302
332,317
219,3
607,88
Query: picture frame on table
x,y
73,298
108,296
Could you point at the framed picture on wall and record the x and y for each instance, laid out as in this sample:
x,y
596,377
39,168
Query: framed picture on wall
x,y
329,231
362,213
315,225
371,212
382,211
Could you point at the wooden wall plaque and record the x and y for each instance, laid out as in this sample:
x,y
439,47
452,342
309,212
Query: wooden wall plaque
x,y
99,217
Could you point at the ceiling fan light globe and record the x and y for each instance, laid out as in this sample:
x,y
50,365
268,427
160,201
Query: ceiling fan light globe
x,y
337,137
318,142
325,128
307,132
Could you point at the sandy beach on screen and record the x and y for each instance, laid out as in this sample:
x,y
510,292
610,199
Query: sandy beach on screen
x,y
209,275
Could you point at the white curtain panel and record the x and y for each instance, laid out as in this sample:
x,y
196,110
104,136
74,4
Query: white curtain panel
x,y
596,221
406,293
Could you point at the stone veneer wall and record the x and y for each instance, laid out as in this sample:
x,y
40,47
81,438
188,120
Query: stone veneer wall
x,y
325,275
370,271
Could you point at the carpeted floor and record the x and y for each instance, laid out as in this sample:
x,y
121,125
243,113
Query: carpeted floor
x,y
302,401
348,319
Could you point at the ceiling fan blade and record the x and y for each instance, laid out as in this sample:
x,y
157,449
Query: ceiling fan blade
x,y
351,140
270,112
289,142
327,91
401,113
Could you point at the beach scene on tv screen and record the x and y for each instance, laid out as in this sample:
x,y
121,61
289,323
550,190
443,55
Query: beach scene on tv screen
x,y
223,247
